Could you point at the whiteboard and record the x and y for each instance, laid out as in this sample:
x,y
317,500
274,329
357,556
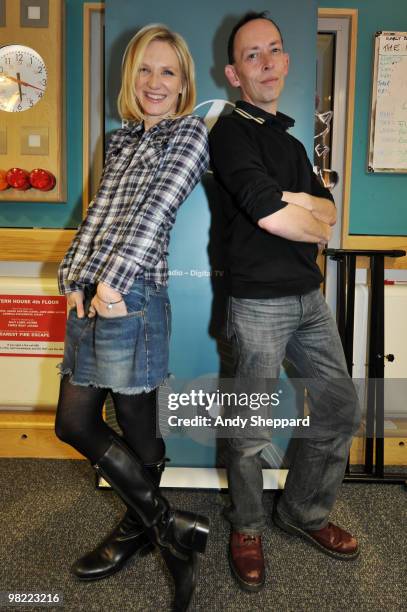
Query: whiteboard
x,y
388,120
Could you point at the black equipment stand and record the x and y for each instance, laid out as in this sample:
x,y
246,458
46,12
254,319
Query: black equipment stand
x,y
346,260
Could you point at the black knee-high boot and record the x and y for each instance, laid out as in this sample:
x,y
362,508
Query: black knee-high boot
x,y
179,535
128,539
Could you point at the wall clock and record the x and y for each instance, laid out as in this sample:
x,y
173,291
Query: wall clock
x,y
23,78
32,118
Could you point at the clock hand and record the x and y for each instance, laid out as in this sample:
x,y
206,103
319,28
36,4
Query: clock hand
x,y
19,87
22,82
29,85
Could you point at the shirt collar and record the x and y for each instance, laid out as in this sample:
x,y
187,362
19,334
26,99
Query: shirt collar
x,y
160,129
259,115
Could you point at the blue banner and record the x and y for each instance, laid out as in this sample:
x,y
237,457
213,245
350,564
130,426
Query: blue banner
x,y
196,273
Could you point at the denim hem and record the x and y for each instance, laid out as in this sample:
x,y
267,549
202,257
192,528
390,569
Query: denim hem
x,y
287,519
122,390
249,530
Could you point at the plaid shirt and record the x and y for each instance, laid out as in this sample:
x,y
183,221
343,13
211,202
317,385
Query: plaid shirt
x,y
147,176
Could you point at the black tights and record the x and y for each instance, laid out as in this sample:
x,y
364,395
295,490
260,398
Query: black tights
x,y
79,421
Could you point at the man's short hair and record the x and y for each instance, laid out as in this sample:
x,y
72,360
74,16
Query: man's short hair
x,y
251,16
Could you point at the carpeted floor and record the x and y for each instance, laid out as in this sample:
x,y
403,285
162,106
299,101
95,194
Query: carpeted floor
x,y
51,513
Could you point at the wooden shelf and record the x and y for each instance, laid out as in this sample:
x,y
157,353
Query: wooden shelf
x,y
395,448
47,245
31,434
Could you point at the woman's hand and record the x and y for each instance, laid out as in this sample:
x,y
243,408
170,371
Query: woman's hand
x,y
105,295
75,300
104,292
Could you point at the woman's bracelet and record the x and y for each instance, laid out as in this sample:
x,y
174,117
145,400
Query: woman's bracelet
x,y
109,305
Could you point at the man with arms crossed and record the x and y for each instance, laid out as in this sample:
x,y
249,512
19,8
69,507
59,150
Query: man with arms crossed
x,y
277,213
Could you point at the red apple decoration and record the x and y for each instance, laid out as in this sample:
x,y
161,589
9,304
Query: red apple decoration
x,y
42,179
18,179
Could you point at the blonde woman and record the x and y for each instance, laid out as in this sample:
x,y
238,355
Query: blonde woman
x,y
115,276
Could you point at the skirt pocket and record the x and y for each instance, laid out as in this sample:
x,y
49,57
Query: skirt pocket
x,y
120,351
76,331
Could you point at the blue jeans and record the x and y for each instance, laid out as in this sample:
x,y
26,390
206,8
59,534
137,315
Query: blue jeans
x,y
129,353
302,330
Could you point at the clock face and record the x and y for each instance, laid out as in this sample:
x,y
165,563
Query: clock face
x,y
23,78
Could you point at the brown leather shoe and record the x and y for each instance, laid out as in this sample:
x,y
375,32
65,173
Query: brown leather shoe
x,y
247,561
336,540
331,539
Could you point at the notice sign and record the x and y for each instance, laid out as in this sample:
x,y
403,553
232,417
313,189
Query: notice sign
x,y
32,325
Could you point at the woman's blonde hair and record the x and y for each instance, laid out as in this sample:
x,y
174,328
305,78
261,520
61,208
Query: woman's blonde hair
x,y
127,103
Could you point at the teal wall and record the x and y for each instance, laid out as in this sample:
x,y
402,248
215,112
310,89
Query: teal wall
x,y
48,215
378,203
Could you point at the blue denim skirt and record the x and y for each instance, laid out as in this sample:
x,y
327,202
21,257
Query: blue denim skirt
x,y
127,354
